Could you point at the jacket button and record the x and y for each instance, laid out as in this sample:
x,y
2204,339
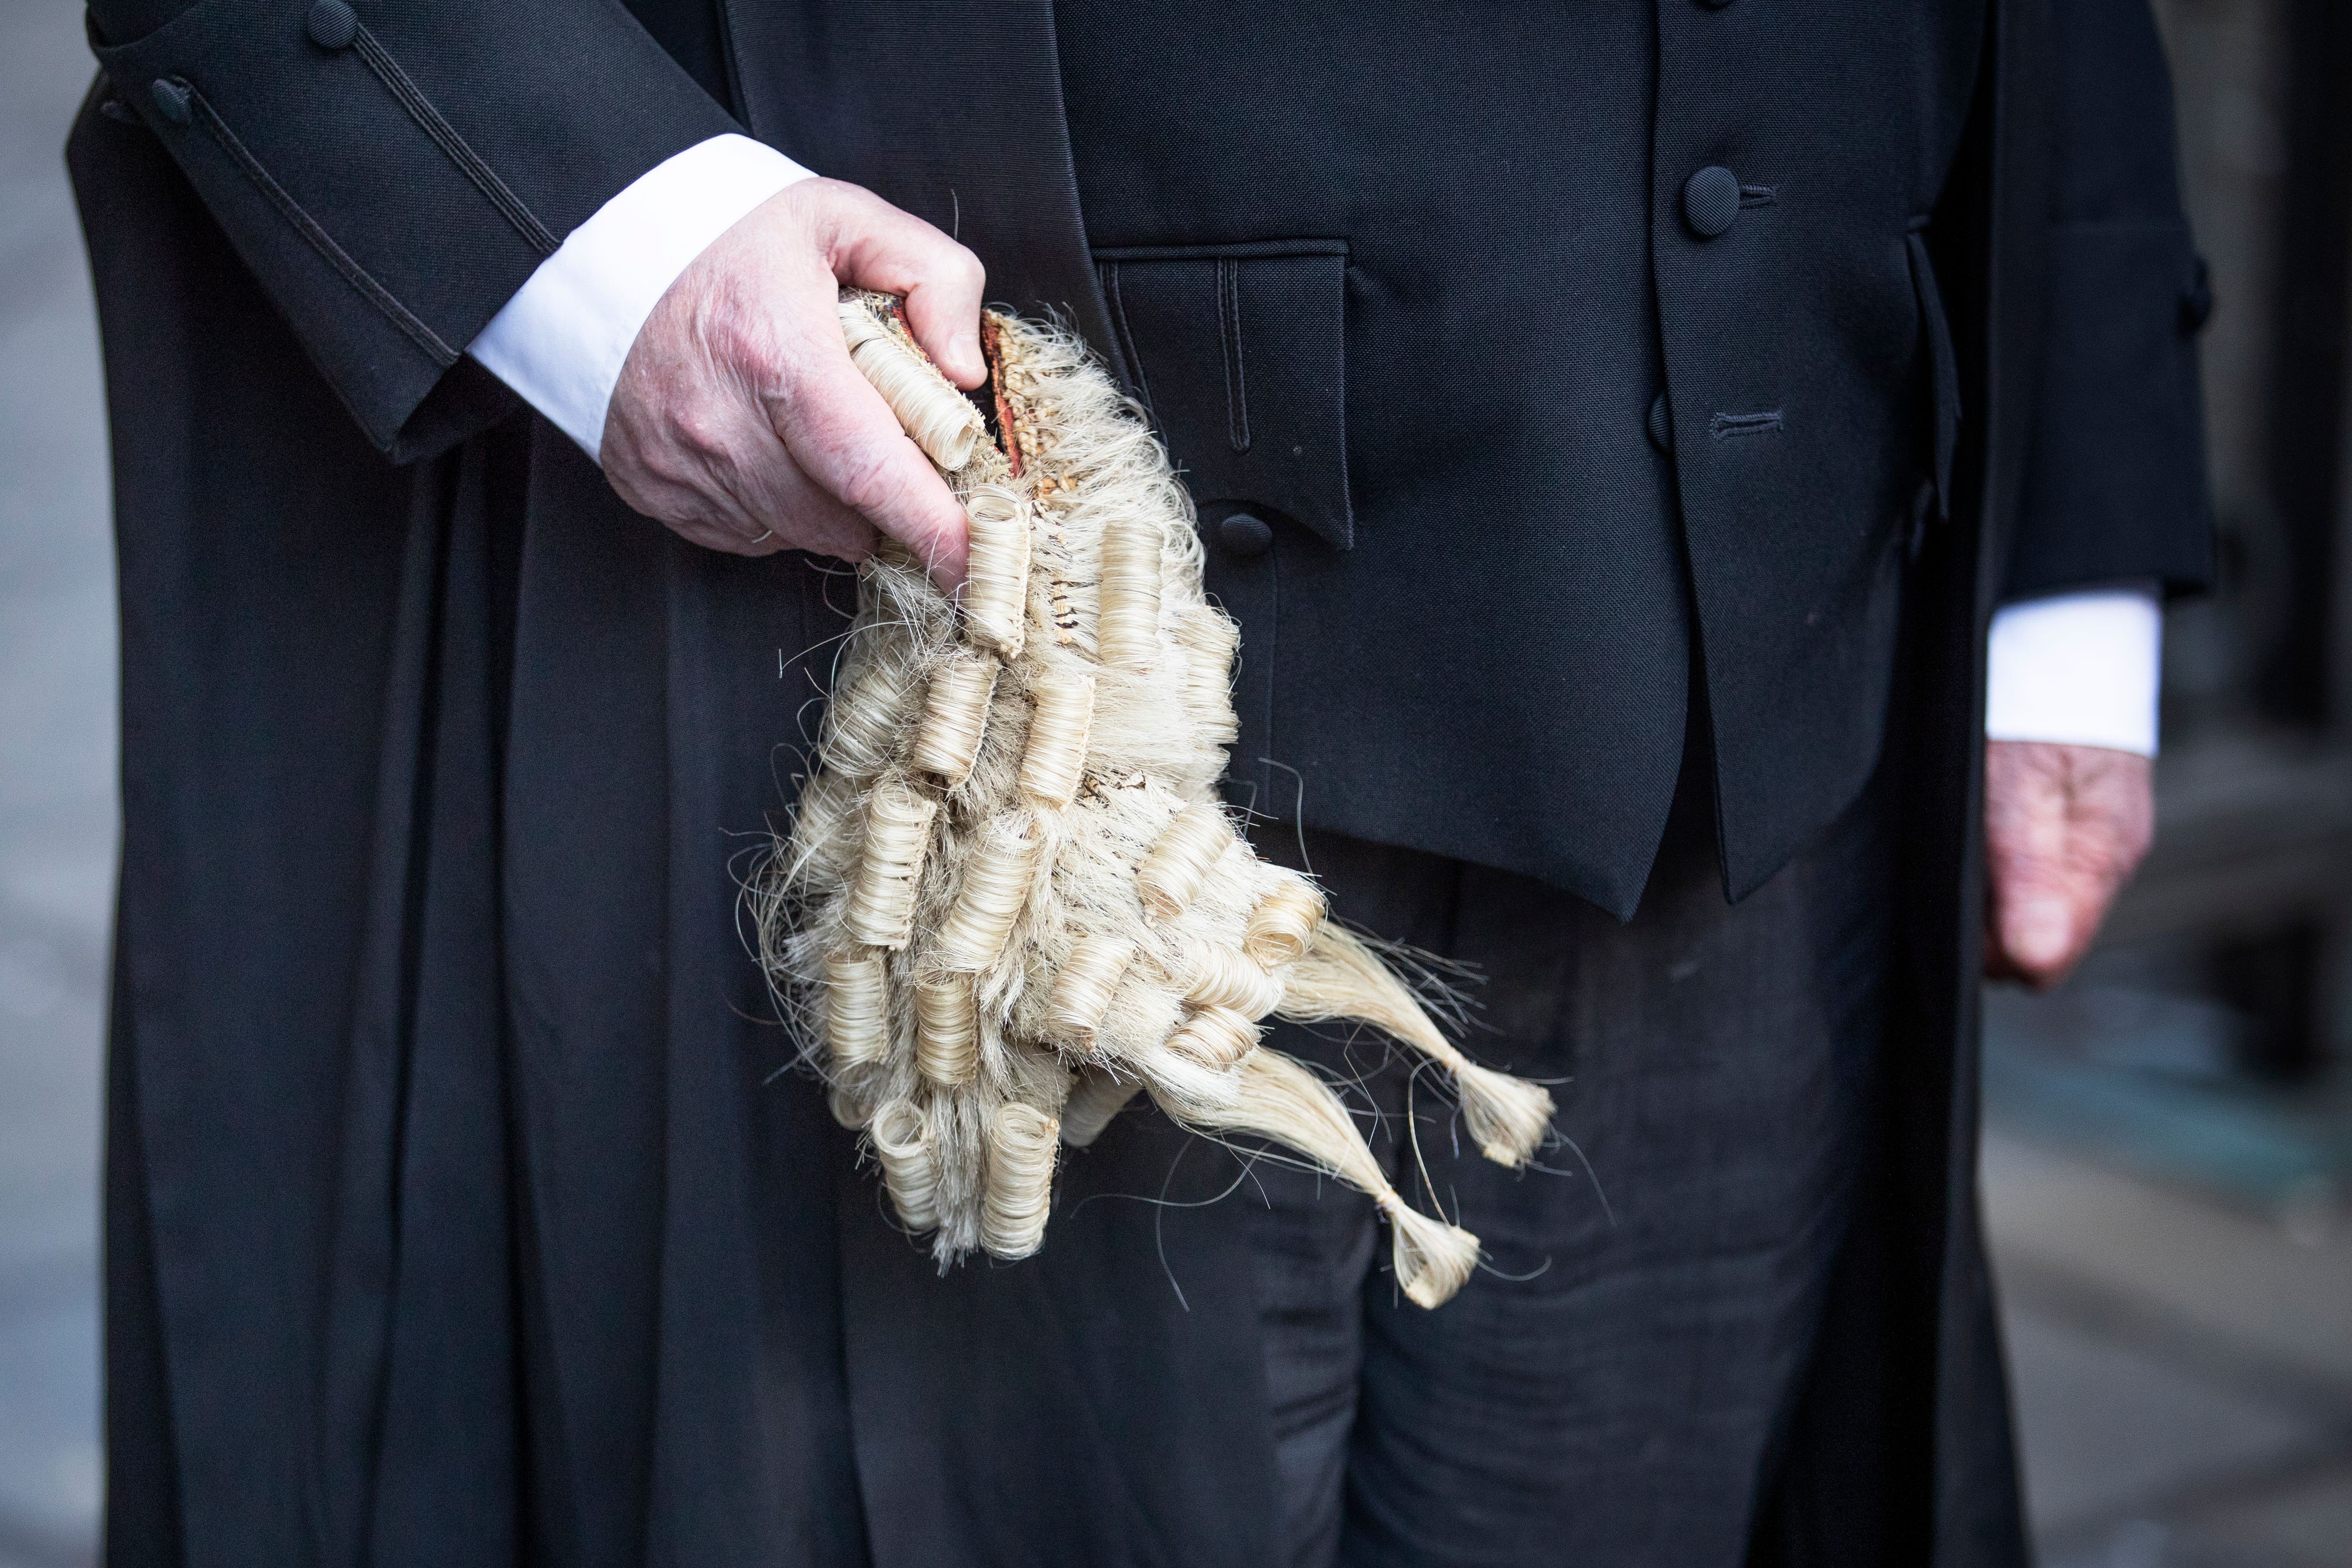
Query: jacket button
x,y
333,24
172,97
1662,424
1711,200
1244,536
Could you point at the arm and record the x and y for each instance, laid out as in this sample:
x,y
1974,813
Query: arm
x,y
387,174
395,173
2115,493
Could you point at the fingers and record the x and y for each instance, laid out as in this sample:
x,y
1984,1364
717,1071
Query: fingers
x,y
2065,828
877,246
739,418
844,437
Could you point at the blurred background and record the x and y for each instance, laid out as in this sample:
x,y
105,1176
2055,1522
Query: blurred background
x,y
2169,1159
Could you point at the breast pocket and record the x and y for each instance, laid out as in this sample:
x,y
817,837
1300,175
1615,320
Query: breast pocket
x,y
1239,351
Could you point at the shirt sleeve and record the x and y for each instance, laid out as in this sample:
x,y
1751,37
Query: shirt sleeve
x,y
560,343
2078,669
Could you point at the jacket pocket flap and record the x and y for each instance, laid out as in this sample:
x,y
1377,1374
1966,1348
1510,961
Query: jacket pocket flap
x,y
1239,351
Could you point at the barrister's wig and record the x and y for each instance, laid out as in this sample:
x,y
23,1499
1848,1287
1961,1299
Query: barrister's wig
x,y
1009,898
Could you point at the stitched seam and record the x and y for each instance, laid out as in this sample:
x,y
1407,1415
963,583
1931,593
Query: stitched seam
x,y
319,240
1107,273
1726,424
1243,250
1229,334
444,136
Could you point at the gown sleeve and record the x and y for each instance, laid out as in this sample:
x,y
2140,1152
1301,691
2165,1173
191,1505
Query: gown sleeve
x,y
2115,485
393,172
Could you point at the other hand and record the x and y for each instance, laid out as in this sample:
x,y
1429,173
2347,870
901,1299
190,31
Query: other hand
x,y
738,420
2065,828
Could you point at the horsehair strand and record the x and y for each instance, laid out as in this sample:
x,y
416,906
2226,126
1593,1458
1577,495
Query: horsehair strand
x,y
1058,729
1341,977
902,1142
1098,1096
881,910
1282,1100
938,418
947,1030
857,1009
996,581
1021,1141
955,716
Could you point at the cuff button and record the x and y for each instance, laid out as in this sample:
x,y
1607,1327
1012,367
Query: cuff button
x,y
333,24
172,95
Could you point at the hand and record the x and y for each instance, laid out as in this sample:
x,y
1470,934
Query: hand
x,y
739,419
2065,828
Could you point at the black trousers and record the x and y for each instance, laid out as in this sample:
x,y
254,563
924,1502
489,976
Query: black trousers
x,y
1615,1387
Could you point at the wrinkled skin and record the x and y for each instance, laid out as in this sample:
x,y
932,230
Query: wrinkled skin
x,y
2066,827
739,419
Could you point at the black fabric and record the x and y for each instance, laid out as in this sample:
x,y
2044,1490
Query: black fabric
x,y
1497,408
1511,618
599,104
455,1212
2119,436
987,158
1619,1385
1798,340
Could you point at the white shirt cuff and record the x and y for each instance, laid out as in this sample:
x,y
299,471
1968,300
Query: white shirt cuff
x,y
560,341
2077,669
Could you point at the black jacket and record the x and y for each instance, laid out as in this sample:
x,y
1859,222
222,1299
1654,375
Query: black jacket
x,y
1404,282
452,1216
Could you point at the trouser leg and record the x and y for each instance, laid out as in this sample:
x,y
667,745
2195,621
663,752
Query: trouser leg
x,y
1610,1391
1315,1242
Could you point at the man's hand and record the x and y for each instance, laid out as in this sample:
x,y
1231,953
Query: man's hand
x,y
2065,828
739,419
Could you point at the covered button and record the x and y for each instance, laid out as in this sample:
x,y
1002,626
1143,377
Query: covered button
x,y
172,95
1711,200
333,24
1245,535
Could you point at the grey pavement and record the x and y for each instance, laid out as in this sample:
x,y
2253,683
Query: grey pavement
x,y
2184,1368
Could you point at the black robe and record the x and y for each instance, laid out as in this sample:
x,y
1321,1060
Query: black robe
x,y
460,1209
